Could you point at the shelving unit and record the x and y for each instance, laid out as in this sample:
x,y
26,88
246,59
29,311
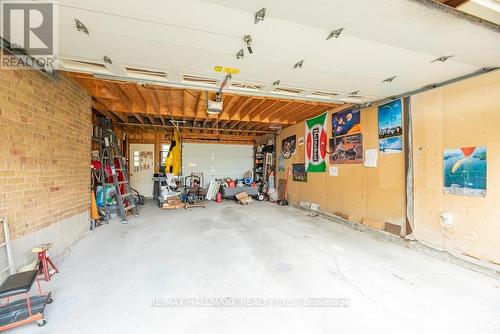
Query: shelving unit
x,y
258,170
263,164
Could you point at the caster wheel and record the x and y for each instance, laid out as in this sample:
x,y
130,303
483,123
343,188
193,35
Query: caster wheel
x,y
41,323
50,300
260,197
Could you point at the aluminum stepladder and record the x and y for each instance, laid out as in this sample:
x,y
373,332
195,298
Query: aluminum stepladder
x,y
110,151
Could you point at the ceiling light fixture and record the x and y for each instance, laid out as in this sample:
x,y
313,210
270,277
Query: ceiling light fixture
x,y
248,41
299,64
335,33
240,54
81,27
276,83
260,15
391,79
442,59
107,60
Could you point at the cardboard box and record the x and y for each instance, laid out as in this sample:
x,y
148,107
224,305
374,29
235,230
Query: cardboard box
x,y
243,198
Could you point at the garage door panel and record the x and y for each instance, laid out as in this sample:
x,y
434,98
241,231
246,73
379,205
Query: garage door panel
x,y
217,160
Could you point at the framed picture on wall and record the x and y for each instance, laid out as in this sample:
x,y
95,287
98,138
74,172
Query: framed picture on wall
x,y
465,171
299,172
346,122
347,149
390,127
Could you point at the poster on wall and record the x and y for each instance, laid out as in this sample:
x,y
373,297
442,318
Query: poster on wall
x,y
346,122
316,141
299,172
146,160
281,163
465,171
390,128
143,160
347,149
288,146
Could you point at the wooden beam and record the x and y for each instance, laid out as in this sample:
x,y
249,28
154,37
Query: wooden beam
x,y
307,113
120,95
275,112
156,102
241,112
139,118
303,116
137,96
110,108
207,130
228,101
253,117
285,116
103,110
183,108
199,105
256,106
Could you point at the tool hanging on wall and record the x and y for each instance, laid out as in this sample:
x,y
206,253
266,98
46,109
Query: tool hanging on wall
x,y
111,156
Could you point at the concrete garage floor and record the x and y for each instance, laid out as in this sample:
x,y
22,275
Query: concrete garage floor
x,y
112,275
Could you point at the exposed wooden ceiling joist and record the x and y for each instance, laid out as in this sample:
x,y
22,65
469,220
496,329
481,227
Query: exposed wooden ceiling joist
x,y
149,105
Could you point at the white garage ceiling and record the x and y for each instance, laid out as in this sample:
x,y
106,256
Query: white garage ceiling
x,y
382,39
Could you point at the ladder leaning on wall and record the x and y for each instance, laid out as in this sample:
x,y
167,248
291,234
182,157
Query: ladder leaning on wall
x,y
5,242
112,156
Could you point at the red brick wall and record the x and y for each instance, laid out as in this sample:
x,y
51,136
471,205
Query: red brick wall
x,y
45,131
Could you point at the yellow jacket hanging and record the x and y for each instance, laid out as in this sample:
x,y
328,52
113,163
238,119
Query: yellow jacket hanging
x,y
173,160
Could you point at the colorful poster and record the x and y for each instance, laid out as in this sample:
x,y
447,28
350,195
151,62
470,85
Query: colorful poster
x,y
346,122
465,171
390,128
316,141
347,149
288,145
299,172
